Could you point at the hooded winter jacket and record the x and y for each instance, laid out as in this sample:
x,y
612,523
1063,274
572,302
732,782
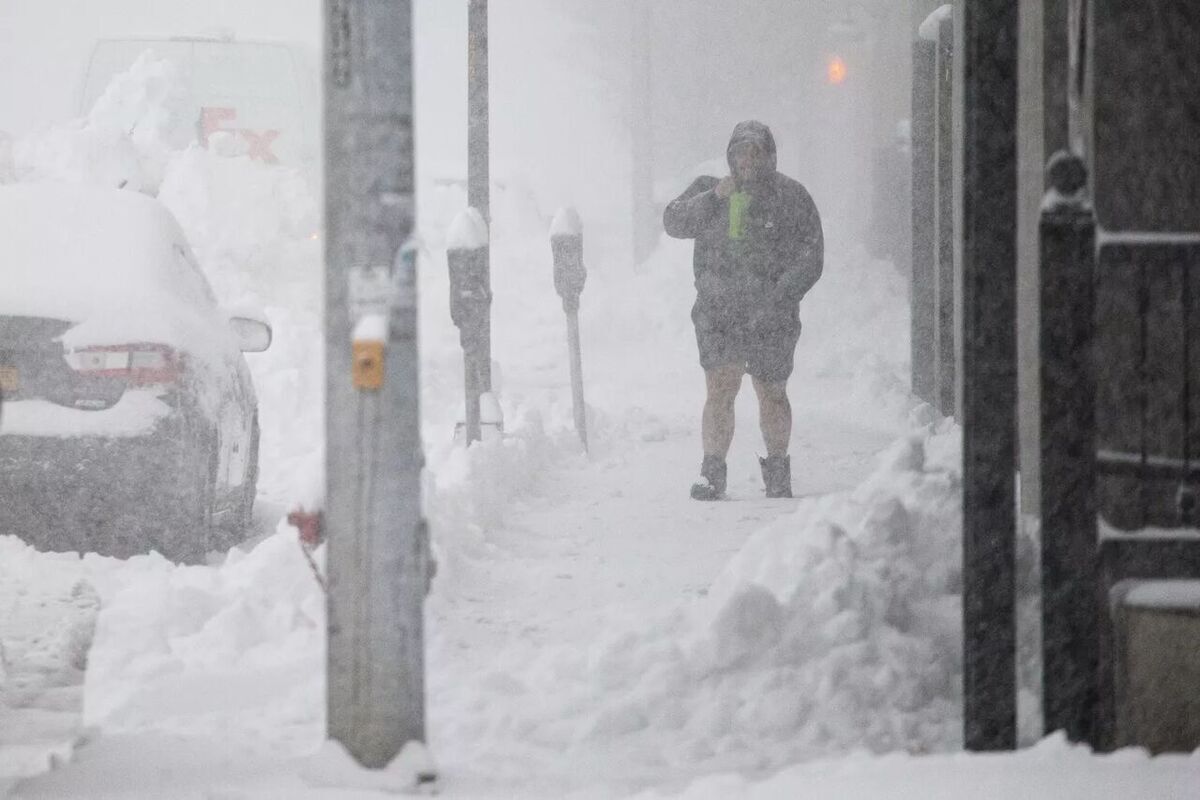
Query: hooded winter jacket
x,y
752,267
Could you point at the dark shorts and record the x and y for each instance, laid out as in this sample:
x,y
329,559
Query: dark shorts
x,y
766,349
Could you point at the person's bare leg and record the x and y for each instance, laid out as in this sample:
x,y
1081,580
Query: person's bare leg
x,y
774,416
718,417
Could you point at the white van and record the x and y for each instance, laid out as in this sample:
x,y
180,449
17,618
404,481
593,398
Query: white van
x,y
263,92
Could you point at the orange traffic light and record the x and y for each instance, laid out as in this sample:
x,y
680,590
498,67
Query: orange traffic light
x,y
836,70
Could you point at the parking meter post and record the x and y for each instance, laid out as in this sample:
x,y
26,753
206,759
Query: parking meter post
x,y
570,275
470,309
577,405
377,571
1071,597
471,392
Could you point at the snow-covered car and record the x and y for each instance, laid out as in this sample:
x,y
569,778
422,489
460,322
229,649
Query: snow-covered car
x,y
129,418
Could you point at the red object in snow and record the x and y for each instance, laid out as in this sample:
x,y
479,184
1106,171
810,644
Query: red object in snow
x,y
309,525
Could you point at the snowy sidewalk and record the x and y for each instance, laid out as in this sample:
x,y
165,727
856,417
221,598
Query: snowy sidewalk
x,y
620,535
47,618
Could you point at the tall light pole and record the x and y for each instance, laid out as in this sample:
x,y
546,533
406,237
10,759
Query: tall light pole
x,y
378,554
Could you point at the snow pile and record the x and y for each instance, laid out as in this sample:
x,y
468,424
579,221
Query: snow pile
x,y
334,768
834,629
48,610
835,610
135,127
254,226
212,650
472,489
1052,770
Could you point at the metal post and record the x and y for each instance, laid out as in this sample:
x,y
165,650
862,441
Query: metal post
x,y
378,564
645,220
1056,74
566,243
478,160
989,372
470,301
1070,553
478,165
923,218
947,364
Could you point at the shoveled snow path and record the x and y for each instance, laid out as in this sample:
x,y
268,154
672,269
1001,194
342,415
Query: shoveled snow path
x,y
621,532
616,537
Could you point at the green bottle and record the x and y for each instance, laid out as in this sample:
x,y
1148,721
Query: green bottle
x,y
738,203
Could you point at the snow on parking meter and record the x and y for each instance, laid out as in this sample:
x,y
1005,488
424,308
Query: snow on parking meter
x,y
566,243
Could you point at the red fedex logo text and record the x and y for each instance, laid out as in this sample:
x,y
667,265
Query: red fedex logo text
x,y
212,119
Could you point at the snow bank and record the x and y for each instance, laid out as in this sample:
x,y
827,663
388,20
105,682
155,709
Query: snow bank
x,y
135,127
1051,771
834,629
48,609
334,768
212,650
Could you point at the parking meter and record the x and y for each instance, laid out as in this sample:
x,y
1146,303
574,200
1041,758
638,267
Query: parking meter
x,y
566,244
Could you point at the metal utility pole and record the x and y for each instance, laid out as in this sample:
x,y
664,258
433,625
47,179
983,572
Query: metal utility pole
x,y
646,223
924,219
989,380
378,565
947,357
478,163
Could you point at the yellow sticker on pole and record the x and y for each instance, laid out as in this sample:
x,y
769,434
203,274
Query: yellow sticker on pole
x,y
368,366
370,336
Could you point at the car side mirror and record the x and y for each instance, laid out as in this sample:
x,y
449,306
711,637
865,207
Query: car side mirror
x,y
253,335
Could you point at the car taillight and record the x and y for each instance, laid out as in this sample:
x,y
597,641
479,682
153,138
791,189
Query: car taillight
x,y
136,364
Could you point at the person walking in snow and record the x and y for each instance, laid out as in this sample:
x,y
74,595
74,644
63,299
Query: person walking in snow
x,y
759,249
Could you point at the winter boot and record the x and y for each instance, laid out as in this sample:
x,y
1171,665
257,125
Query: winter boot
x,y
712,487
777,475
